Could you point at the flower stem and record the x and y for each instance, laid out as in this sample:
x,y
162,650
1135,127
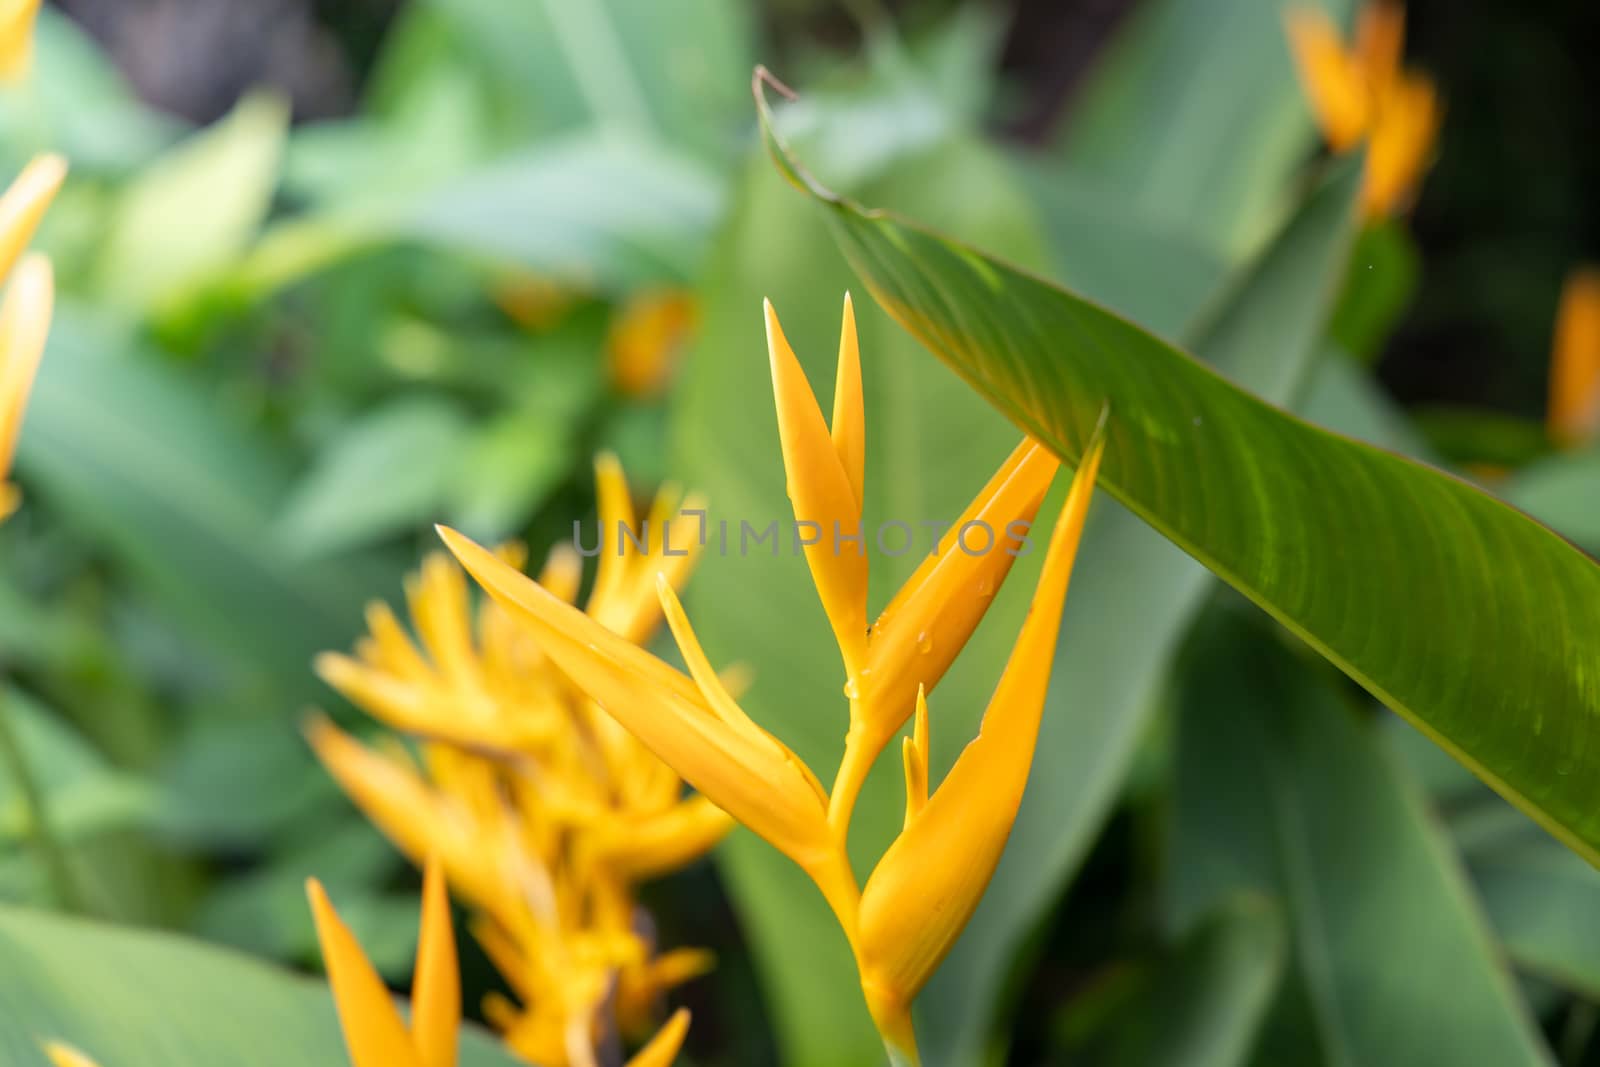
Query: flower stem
x,y
899,1057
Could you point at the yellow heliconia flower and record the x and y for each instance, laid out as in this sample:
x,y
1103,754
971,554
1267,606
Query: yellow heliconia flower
x,y
544,813
647,335
1574,412
927,623
928,883
1364,93
25,308
16,36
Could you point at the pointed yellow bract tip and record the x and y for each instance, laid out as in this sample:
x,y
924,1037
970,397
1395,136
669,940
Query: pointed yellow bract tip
x,y
24,325
436,987
662,1051
64,1055
16,37
374,1034
824,491
1574,412
23,205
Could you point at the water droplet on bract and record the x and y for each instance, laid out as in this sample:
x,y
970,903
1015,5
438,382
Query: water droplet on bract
x,y
924,643
1564,766
851,690
986,588
1538,724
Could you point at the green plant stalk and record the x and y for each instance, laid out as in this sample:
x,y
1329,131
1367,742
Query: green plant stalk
x,y
900,1058
52,855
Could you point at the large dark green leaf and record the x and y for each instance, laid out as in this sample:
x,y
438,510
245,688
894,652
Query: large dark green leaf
x,y
1281,788
1475,622
1126,613
135,999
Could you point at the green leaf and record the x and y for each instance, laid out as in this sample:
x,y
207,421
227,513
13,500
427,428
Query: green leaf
x,y
1470,619
1193,117
1543,901
1132,599
83,795
135,999
587,211
388,471
669,69
591,210
141,460
1203,1006
1342,396
195,208
1282,789
1561,490
1384,270
510,467
1156,274
1478,435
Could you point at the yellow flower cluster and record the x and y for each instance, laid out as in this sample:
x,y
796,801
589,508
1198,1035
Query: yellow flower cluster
x,y
1363,93
544,813
25,309
904,921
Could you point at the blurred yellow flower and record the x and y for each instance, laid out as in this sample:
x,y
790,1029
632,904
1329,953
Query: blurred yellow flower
x,y
533,301
374,1032
25,309
62,1055
929,881
1574,412
1364,93
16,36
647,335
544,813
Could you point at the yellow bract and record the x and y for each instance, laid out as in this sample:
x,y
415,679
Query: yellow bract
x,y
928,883
1363,93
542,810
25,309
66,1056
374,1033
1574,412
16,37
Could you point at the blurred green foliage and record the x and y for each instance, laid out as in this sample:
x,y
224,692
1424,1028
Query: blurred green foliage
x,y
282,351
